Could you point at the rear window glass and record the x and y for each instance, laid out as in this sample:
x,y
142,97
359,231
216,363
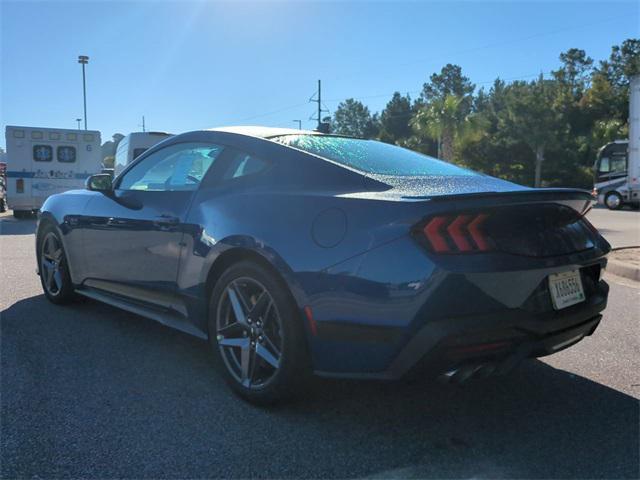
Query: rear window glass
x,y
371,156
244,164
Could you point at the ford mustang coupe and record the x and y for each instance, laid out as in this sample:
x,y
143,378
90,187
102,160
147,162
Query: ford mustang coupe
x,y
297,252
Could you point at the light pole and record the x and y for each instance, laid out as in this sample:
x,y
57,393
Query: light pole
x,y
78,120
299,124
83,59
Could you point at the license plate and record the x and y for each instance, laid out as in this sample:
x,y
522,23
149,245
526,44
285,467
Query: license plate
x,y
566,289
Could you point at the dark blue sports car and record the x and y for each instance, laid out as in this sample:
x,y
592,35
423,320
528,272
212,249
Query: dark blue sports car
x,y
296,252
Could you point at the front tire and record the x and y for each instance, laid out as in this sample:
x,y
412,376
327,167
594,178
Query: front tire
x,y
53,268
256,333
613,201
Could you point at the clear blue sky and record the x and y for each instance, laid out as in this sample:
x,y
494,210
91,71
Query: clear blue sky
x,y
193,65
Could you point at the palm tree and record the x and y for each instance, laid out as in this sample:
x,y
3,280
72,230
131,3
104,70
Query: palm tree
x,y
446,121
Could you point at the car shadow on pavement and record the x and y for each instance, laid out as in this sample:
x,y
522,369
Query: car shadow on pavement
x,y
11,226
90,391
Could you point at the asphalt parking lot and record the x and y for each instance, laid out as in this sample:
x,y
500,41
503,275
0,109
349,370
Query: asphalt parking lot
x,y
620,227
91,391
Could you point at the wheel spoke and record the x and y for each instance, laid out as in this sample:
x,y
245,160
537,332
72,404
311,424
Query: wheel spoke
x,y
238,311
47,264
50,246
245,365
49,278
230,330
238,289
234,342
271,345
267,311
57,278
263,301
267,356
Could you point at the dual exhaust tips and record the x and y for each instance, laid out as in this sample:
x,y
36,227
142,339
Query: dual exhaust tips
x,y
465,373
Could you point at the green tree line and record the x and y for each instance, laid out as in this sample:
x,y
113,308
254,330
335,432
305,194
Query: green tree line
x,y
543,132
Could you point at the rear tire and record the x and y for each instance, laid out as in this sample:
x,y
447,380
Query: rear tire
x,y
613,201
53,268
256,333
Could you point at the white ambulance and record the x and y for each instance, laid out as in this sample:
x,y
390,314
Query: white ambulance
x,y
44,161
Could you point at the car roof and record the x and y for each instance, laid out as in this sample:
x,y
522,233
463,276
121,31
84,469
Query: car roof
x,y
263,132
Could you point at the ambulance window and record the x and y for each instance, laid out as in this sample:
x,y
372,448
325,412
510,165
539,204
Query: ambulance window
x,y
18,134
66,154
42,153
54,136
72,137
88,137
36,135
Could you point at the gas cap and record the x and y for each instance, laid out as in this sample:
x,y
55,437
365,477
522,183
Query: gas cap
x,y
329,228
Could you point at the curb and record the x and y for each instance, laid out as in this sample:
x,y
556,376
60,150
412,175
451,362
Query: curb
x,y
622,269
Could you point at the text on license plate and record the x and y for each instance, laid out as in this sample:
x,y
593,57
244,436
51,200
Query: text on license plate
x,y
566,289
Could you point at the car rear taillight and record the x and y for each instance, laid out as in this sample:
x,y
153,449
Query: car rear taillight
x,y
457,233
20,185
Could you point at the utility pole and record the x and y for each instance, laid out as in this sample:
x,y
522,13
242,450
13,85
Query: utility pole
x,y
78,120
143,127
83,59
299,124
320,110
319,104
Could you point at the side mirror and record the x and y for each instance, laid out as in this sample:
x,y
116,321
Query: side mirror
x,y
100,182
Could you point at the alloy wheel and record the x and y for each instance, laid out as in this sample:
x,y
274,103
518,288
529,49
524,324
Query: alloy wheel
x,y
249,333
51,259
613,201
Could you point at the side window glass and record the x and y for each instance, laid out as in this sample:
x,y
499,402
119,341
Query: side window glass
x,y
604,165
138,151
42,153
66,154
179,167
120,161
618,164
244,164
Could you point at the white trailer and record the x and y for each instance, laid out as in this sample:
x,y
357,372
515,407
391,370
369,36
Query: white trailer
x,y
617,167
134,145
44,161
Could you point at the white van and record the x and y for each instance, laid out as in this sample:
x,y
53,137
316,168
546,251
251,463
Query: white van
x,y
43,161
133,145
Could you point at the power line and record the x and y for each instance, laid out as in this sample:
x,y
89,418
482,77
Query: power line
x,y
365,97
447,56
284,109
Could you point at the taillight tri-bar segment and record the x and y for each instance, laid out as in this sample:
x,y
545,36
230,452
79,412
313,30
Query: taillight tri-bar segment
x,y
463,233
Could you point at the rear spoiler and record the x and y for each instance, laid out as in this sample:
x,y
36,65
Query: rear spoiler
x,y
578,199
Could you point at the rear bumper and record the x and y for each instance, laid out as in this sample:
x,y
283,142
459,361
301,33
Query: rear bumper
x,y
460,348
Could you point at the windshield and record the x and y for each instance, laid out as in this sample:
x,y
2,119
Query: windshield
x,y
371,156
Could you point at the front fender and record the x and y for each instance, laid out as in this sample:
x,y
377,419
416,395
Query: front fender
x,y
65,211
